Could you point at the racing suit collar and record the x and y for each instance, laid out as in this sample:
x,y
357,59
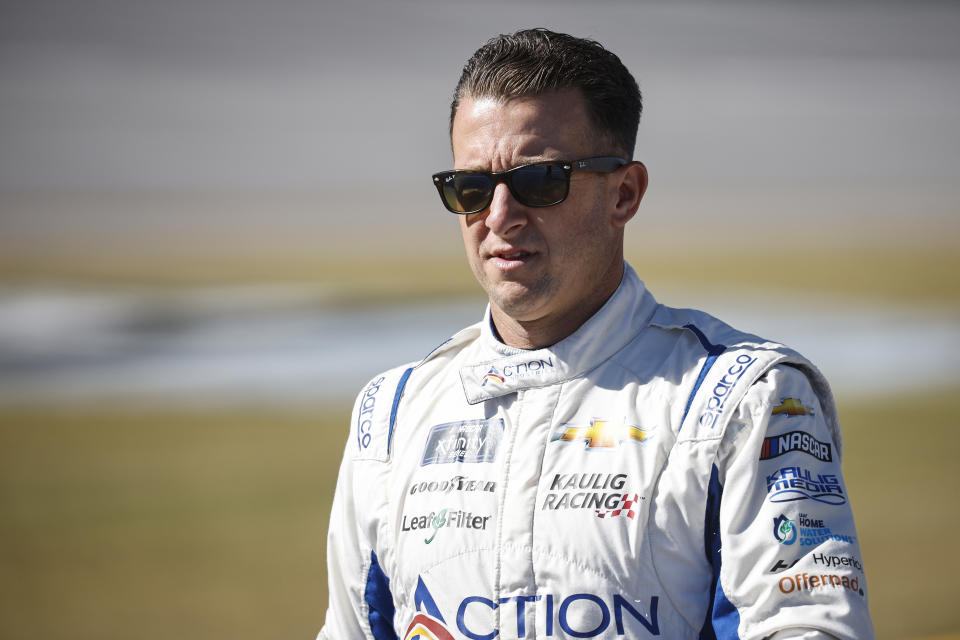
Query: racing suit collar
x,y
499,369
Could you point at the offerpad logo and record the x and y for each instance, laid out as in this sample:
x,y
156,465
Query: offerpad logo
x,y
809,582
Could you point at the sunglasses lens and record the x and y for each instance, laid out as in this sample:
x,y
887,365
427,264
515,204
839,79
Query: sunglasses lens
x,y
466,192
540,185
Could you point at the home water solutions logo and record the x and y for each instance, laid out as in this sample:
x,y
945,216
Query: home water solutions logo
x,y
808,531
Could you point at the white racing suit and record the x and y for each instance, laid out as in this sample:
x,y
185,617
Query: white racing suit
x,y
657,473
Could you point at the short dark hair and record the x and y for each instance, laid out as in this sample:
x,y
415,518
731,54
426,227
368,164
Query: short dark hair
x,y
535,61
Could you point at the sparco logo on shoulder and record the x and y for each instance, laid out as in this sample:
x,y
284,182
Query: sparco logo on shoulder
x,y
365,414
721,391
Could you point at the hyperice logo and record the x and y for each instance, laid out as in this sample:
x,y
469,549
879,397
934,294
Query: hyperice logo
x,y
810,532
790,484
784,530
601,434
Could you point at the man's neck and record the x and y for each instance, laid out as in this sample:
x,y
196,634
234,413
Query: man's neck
x,y
540,332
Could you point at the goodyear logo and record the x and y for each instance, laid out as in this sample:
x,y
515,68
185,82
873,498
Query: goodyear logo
x,y
601,434
792,407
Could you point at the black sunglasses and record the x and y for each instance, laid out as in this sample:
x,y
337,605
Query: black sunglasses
x,y
540,184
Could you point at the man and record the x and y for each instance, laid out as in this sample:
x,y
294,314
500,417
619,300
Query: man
x,y
584,462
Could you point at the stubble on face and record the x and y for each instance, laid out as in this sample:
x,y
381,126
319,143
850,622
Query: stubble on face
x,y
525,298
544,270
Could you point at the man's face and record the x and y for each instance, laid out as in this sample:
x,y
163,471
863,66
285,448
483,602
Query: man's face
x,y
548,266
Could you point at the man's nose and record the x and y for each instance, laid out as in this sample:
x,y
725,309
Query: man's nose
x,y
505,215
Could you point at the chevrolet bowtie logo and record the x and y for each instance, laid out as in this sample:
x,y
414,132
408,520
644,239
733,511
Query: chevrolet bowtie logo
x,y
792,407
601,433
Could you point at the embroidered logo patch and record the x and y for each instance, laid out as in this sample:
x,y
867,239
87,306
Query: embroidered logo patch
x,y
467,441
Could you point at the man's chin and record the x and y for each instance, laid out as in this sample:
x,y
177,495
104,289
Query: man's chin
x,y
517,300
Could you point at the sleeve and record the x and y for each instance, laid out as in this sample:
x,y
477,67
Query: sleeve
x,y
790,561
348,560
360,601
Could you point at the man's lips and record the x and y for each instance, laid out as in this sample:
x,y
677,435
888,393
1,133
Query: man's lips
x,y
511,258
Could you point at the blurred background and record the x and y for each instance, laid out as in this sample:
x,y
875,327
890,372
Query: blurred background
x,y
217,222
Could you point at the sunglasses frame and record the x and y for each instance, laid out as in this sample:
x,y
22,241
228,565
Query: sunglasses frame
x,y
599,164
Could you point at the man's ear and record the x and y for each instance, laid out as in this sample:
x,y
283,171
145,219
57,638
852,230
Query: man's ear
x,y
630,186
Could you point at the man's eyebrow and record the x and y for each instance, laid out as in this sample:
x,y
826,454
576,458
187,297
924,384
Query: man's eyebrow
x,y
523,161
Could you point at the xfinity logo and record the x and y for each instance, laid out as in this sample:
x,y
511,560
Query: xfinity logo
x,y
468,441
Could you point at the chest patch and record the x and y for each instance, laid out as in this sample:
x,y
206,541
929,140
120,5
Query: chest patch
x,y
465,441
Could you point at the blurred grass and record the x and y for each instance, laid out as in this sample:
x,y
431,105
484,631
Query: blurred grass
x,y
211,523
129,523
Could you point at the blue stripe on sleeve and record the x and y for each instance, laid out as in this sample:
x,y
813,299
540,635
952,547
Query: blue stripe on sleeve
x,y
376,594
723,620
713,352
396,403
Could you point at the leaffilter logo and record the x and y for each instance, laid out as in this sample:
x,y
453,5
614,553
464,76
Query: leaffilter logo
x,y
438,521
784,530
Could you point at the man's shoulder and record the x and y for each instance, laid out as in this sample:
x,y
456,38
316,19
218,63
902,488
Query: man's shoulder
x,y
727,363
375,408
675,342
711,332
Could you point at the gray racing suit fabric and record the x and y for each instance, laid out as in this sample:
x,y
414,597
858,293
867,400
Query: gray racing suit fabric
x,y
657,473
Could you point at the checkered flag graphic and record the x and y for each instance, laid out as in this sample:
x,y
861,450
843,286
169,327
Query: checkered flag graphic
x,y
625,508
